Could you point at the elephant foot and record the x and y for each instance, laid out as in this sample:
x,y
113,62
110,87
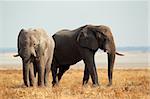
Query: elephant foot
x,y
27,84
54,84
109,84
85,82
95,85
41,84
32,85
46,84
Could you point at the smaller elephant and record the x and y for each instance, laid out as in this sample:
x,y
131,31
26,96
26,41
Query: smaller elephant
x,y
35,48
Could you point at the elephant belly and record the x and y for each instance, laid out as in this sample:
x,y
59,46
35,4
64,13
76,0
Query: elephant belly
x,y
67,53
67,59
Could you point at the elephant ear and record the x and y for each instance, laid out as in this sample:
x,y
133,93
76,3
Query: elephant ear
x,y
87,38
20,36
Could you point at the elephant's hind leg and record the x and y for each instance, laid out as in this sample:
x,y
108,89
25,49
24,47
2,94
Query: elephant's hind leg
x,y
54,75
62,70
90,63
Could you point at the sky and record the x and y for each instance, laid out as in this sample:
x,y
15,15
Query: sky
x,y
128,20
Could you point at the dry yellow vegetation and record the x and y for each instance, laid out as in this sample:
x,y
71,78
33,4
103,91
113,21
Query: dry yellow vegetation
x,y
127,84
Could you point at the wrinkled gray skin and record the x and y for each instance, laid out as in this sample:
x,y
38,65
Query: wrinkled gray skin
x,y
35,48
72,46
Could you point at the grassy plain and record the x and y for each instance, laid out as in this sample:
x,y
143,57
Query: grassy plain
x,y
127,84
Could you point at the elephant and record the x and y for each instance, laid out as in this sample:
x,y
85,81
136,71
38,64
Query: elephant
x,y
72,46
36,49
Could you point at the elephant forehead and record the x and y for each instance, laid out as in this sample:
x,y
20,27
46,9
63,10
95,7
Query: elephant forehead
x,y
103,27
39,33
105,30
34,40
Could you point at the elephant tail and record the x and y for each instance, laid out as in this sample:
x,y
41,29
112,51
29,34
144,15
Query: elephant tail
x,y
119,54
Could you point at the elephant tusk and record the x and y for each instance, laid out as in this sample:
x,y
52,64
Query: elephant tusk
x,y
16,55
119,54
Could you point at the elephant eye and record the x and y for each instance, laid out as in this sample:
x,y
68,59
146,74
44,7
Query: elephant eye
x,y
34,44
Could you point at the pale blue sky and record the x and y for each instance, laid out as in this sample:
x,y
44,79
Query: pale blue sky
x,y
127,19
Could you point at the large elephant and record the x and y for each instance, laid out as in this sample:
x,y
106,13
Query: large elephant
x,y
72,46
36,49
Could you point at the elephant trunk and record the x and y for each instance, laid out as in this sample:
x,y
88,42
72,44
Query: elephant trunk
x,y
111,60
26,73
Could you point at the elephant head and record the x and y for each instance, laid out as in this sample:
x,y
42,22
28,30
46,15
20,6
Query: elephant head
x,y
94,37
26,45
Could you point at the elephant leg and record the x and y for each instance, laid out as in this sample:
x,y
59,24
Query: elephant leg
x,y
41,76
86,76
54,74
62,70
96,74
26,73
31,75
90,63
93,73
41,70
46,74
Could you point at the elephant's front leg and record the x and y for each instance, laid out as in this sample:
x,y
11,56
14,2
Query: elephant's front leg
x,y
26,72
41,69
86,76
93,73
90,63
31,75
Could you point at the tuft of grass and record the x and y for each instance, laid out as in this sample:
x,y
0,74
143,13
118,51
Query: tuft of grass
x,y
127,84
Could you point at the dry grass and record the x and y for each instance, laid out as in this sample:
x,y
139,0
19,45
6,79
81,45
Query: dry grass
x,y
127,84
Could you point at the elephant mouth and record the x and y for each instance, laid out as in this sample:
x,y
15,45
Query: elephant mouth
x,y
37,58
105,50
33,58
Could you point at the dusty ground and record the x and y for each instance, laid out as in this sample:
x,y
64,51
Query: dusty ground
x,y
127,84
